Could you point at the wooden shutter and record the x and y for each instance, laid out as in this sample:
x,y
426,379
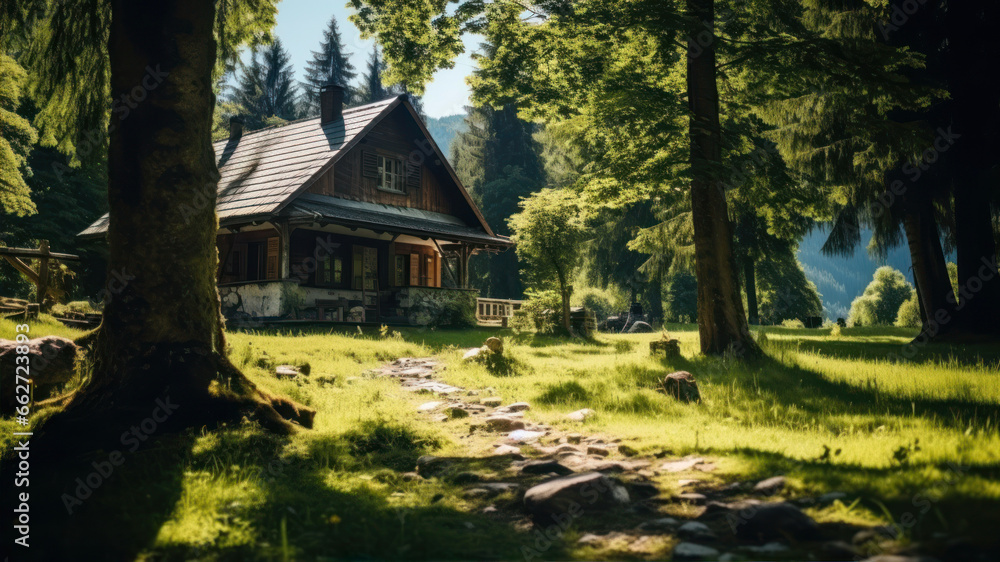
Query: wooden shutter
x,y
272,257
414,270
369,164
413,170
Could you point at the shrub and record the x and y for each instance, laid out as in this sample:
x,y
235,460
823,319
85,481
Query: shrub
x,y
909,313
539,312
879,305
792,323
603,302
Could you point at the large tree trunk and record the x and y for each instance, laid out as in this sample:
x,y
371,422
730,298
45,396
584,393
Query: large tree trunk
x,y
976,118
930,272
161,336
722,324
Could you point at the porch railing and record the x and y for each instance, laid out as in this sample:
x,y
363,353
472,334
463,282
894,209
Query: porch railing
x,y
496,312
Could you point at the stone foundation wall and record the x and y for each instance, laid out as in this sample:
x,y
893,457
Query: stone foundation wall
x,y
426,306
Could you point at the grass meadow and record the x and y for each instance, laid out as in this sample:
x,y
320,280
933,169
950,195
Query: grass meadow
x,y
911,440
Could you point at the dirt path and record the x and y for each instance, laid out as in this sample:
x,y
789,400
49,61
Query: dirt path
x,y
620,505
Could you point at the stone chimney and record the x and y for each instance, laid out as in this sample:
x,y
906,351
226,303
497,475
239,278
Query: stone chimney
x,y
331,102
235,128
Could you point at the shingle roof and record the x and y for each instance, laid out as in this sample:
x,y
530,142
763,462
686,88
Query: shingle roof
x,y
266,167
387,217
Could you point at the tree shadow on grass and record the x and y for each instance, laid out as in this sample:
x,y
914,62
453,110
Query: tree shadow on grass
x,y
84,507
813,393
888,349
923,499
345,497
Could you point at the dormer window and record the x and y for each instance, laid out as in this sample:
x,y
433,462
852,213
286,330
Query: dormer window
x,y
391,176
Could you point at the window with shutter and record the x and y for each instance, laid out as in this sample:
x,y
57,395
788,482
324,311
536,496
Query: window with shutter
x,y
413,171
369,164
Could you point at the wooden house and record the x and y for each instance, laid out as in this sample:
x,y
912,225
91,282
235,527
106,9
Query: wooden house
x,y
352,216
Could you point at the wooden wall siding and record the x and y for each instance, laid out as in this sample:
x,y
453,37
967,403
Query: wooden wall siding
x,y
396,136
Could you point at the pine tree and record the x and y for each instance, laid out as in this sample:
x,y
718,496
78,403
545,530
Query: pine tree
x,y
498,159
371,89
329,64
266,88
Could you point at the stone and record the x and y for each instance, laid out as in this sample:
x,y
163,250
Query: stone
x,y
51,360
689,551
574,495
628,450
640,328
770,486
545,467
830,497
692,497
494,344
580,415
705,466
466,478
682,386
590,539
687,463
473,354
770,548
899,558
455,412
518,407
769,521
661,524
882,532
428,406
504,423
507,450
687,482
287,371
492,402
524,436
840,550
574,438
598,450
476,493
695,530
410,477
429,465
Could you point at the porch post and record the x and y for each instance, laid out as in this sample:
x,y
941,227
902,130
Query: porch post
x,y
463,267
285,239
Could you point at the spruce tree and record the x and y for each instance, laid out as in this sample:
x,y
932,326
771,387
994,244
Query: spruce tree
x,y
266,88
329,64
498,159
371,89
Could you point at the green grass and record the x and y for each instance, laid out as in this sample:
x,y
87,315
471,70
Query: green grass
x,y
830,411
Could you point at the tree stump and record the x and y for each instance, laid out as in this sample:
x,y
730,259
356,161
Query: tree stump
x,y
682,386
671,349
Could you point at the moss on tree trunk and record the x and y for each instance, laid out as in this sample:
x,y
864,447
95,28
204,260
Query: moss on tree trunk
x,y
162,335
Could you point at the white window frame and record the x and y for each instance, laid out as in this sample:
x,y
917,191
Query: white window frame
x,y
391,175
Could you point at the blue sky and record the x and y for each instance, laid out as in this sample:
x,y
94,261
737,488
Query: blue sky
x,y
300,27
